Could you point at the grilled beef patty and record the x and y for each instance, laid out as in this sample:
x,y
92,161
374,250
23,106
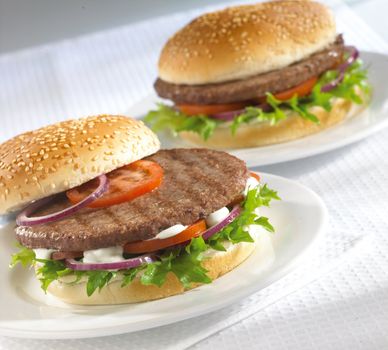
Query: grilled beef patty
x,y
257,86
196,183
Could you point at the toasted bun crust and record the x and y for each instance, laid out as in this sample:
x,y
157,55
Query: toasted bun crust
x,y
242,41
57,157
294,127
217,266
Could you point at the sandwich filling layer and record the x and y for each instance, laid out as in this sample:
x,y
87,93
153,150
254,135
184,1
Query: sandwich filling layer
x,y
183,260
196,183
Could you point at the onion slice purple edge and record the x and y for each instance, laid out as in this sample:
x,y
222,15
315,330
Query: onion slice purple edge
x,y
353,55
23,218
236,211
230,115
227,116
118,265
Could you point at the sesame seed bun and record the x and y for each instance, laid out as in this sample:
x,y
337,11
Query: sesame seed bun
x,y
217,265
243,41
262,134
57,157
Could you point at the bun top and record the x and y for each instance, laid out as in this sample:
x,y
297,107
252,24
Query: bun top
x,y
57,157
243,41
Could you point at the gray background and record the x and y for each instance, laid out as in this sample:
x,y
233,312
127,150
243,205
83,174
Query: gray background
x,y
26,23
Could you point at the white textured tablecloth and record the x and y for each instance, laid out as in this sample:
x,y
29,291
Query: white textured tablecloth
x,y
337,299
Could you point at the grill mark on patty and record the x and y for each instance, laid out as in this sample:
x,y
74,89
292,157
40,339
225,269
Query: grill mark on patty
x,y
84,223
220,174
183,190
211,181
56,225
193,187
191,176
110,213
214,163
195,178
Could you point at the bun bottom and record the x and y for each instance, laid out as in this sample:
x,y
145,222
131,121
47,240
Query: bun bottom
x,y
263,134
217,265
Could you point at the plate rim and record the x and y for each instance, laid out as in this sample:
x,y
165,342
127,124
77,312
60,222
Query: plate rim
x,y
107,330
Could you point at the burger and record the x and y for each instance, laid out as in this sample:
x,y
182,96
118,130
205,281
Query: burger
x,y
105,217
256,75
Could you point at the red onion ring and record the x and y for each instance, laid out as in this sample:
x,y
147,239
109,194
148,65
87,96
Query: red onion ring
x,y
118,265
236,211
230,115
23,218
353,55
227,116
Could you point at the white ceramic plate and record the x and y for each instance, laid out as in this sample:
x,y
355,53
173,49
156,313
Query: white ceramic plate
x,y
351,130
25,311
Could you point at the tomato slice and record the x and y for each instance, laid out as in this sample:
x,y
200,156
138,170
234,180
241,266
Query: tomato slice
x,y
301,90
256,176
125,184
138,247
210,109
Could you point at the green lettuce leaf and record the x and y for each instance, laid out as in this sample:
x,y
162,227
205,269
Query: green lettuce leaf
x,y
50,270
165,117
130,275
183,262
98,280
24,256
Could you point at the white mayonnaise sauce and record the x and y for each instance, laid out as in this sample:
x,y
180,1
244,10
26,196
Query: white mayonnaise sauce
x,y
103,255
251,183
216,217
170,232
211,220
42,253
